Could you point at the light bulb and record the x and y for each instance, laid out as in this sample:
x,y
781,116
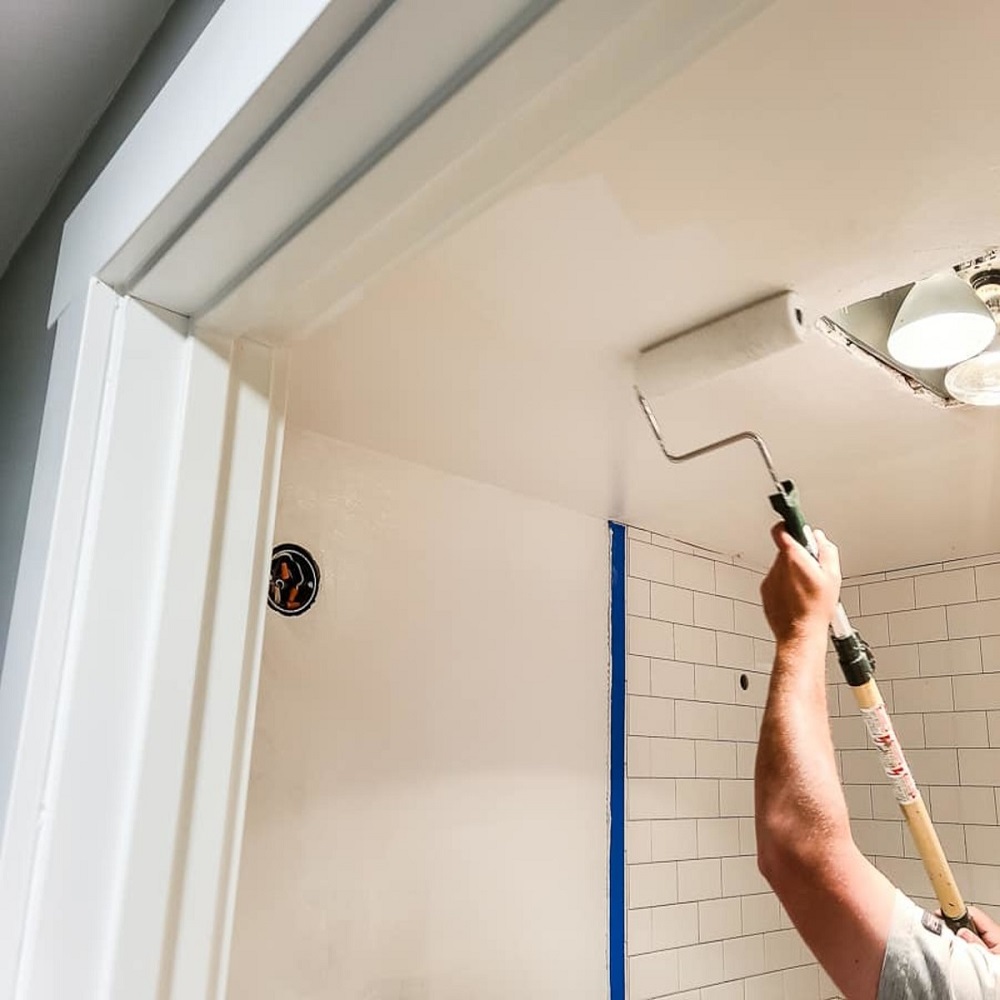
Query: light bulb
x,y
941,322
977,381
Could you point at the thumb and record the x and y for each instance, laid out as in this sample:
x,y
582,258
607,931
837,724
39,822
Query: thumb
x,y
966,935
782,539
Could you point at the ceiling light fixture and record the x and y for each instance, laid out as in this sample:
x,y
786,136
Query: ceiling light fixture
x,y
977,381
941,322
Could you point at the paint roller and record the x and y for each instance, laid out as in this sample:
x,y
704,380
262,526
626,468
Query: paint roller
x,y
736,339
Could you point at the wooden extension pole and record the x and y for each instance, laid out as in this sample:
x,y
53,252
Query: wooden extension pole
x,y
911,803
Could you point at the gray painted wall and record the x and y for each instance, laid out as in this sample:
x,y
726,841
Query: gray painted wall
x,y
25,341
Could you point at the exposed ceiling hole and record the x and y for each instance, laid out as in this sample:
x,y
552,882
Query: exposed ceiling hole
x,y
970,376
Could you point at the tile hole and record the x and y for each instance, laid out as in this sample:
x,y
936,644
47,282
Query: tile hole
x,y
744,681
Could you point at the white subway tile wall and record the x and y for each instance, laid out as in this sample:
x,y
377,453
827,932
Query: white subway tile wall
x,y
702,923
715,931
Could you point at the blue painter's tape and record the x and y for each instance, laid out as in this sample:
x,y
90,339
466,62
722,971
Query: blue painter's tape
x,y
616,851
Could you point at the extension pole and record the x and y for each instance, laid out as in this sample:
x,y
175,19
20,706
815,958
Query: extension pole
x,y
911,803
858,666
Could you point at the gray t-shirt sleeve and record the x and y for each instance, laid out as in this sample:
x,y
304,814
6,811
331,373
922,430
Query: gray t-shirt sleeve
x,y
925,961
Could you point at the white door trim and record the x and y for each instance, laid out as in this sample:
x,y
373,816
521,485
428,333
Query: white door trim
x,y
253,63
30,689
172,911
128,892
458,100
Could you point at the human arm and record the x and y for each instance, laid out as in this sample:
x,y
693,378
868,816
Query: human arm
x,y
840,904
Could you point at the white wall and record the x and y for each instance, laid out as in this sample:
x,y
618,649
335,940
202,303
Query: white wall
x,y
26,286
936,633
702,922
428,800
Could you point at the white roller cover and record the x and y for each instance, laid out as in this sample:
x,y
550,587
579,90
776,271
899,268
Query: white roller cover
x,y
729,342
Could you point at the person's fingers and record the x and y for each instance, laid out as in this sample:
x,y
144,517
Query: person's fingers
x,y
969,937
794,554
786,544
985,926
801,558
781,537
829,554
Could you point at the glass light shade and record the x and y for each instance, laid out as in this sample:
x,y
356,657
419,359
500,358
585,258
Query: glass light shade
x,y
940,323
977,381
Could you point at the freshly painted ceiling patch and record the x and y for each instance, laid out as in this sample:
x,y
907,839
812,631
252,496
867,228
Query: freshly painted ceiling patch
x,y
941,322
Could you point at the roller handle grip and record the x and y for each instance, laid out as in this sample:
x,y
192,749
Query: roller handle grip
x,y
786,505
856,659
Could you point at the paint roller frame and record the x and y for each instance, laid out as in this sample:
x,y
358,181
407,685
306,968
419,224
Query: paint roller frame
x,y
707,449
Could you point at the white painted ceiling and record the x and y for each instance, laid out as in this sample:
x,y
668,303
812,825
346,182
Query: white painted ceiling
x,y
835,148
61,62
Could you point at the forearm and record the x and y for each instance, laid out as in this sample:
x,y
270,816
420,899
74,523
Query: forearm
x,y
801,814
